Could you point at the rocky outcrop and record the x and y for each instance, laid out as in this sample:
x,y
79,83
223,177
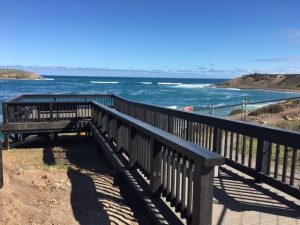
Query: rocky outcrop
x,y
18,74
265,81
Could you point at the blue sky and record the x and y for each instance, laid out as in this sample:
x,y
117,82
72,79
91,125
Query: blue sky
x,y
151,38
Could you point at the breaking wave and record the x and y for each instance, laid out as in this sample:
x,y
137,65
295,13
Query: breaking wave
x,y
104,82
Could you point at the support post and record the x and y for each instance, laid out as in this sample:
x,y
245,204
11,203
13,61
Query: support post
x,y
132,147
1,166
203,194
155,167
217,145
6,141
263,148
4,112
51,111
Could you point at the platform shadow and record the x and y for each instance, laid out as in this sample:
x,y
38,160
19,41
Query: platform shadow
x,y
239,194
96,195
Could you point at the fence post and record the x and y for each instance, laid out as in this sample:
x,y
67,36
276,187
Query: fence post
x,y
217,145
203,194
1,165
242,113
246,113
6,141
132,147
263,148
4,112
155,167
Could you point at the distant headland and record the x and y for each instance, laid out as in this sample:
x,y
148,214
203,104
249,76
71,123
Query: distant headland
x,y
279,82
18,75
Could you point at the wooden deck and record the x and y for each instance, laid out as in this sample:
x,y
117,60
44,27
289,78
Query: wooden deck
x,y
172,155
239,200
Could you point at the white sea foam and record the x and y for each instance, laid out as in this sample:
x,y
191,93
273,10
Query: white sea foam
x,y
168,83
233,89
172,107
145,82
219,105
104,82
192,85
45,79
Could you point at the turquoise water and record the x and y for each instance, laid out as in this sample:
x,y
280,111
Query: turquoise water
x,y
169,92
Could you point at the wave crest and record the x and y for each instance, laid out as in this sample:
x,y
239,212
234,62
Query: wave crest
x,y
104,82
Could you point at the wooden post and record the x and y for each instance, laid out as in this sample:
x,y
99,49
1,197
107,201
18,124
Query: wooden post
x,y
155,167
132,147
217,145
263,148
203,195
1,166
6,141
4,112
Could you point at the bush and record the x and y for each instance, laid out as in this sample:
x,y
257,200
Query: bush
x,y
269,109
235,112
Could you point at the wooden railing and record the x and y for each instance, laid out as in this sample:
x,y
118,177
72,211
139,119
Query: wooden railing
x,y
268,154
176,169
21,112
50,108
181,171
103,99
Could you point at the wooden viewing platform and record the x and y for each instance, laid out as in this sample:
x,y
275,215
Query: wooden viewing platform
x,y
168,156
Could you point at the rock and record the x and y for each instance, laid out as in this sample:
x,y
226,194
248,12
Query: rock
x,y
53,201
288,118
44,177
262,122
18,74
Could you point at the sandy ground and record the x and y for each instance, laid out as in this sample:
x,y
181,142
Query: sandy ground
x,y
69,182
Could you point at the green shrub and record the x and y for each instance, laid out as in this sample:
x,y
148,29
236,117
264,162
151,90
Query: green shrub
x,y
269,109
235,112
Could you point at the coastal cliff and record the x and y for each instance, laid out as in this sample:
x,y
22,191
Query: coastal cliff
x,y
289,82
18,74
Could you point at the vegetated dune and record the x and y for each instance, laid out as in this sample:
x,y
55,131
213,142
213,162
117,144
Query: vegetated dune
x,y
18,74
265,81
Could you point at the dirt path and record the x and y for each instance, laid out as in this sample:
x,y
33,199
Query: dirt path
x,y
67,183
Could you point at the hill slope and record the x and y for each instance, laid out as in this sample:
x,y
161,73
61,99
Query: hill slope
x,y
265,81
18,74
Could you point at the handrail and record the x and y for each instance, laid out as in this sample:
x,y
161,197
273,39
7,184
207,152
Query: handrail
x,y
55,97
265,153
164,158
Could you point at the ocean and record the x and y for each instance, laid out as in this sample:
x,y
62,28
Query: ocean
x,y
167,92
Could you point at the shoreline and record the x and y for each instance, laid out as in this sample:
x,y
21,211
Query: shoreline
x,y
264,89
23,78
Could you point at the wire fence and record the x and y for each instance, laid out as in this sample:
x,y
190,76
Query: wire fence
x,y
282,113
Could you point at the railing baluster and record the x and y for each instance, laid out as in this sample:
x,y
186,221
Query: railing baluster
x,y
285,162
277,154
250,152
293,166
155,170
